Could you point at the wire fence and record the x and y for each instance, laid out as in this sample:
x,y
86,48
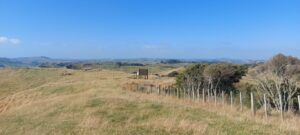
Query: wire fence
x,y
238,100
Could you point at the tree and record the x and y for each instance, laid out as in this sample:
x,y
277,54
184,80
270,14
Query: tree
x,y
278,78
220,77
192,79
213,77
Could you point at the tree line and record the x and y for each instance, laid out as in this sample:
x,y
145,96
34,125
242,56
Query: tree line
x,y
277,78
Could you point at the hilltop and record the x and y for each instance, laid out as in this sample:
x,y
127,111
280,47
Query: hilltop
x,y
46,101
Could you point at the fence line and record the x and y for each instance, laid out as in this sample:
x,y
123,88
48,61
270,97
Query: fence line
x,y
206,95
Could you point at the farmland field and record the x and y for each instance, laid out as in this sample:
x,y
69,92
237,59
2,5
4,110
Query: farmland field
x,y
45,101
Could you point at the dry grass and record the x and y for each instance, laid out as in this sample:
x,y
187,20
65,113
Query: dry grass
x,y
35,102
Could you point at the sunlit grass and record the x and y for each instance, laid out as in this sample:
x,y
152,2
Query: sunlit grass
x,y
42,101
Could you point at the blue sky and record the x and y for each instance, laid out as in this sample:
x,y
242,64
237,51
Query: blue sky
x,y
92,29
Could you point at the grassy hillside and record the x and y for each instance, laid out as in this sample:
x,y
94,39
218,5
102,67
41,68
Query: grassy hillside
x,y
42,101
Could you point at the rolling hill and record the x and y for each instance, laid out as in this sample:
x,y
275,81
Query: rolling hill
x,y
46,101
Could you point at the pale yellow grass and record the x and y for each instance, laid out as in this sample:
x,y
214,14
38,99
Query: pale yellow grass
x,y
42,101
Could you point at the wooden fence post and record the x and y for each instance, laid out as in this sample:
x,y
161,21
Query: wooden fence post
x,y
193,93
253,109
152,88
208,95
183,93
265,104
188,92
215,98
299,102
166,91
241,101
223,99
231,100
178,94
158,89
198,94
203,95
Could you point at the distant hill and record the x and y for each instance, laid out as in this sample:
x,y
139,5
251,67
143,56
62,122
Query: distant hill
x,y
46,61
28,61
4,62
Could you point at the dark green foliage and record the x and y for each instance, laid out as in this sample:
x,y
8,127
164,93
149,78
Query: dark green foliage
x,y
173,74
215,77
119,64
193,73
171,61
74,66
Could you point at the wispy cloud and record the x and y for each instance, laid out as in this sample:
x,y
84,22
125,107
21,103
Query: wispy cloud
x,y
7,40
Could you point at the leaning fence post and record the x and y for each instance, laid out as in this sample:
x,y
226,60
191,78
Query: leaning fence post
x,y
241,101
231,100
265,104
252,104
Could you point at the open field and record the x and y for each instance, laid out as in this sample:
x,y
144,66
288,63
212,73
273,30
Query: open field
x,y
42,101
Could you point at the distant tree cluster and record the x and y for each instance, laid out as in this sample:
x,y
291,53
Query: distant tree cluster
x,y
119,64
53,65
170,61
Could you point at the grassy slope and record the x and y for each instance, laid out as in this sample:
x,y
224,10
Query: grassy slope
x,y
36,102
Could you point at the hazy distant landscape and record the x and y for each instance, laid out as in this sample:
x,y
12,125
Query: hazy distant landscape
x,y
42,60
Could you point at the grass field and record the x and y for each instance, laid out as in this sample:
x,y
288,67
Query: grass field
x,y
42,101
